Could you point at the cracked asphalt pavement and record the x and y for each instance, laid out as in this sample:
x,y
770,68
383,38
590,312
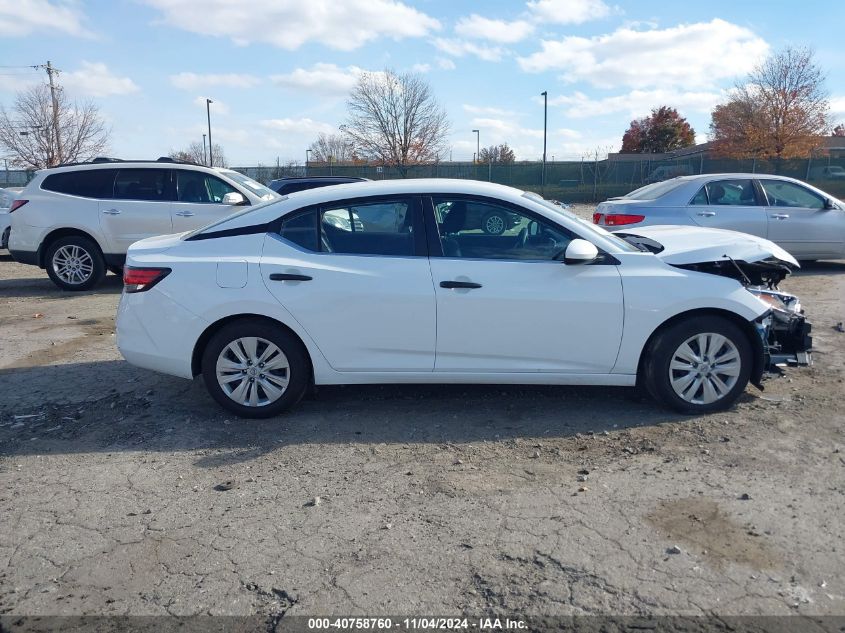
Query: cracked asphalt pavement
x,y
126,492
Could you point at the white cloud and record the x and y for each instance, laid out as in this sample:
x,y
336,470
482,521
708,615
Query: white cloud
x,y
19,18
194,81
217,107
837,107
567,11
636,103
289,24
444,63
299,126
479,27
690,55
459,48
96,80
421,68
327,79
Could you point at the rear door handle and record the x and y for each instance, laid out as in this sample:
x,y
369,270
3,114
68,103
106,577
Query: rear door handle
x,y
185,214
706,214
459,284
780,216
289,277
111,212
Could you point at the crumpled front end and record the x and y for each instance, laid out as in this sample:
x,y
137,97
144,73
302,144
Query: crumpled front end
x,y
784,330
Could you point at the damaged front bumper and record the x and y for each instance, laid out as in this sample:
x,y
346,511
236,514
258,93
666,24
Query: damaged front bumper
x,y
784,332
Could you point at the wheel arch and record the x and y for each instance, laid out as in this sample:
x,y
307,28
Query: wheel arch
x,y
211,330
57,234
746,326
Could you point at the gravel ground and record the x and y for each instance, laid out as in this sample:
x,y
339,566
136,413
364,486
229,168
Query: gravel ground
x,y
127,492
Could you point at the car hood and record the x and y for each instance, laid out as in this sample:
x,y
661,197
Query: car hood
x,y
684,245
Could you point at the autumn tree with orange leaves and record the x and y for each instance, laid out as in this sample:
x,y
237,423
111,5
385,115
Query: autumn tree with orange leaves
x,y
780,111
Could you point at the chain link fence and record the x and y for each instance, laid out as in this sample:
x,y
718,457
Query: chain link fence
x,y
569,181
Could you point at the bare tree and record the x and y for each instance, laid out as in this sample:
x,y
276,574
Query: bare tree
x,y
196,153
31,135
336,147
497,154
394,119
780,111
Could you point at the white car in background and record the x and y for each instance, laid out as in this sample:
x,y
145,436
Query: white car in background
x,y
78,220
273,299
7,197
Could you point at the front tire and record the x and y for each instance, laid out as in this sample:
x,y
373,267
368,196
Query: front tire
x,y
75,263
699,365
255,369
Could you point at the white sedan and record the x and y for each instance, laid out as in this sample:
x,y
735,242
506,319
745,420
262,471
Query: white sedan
x,y
284,295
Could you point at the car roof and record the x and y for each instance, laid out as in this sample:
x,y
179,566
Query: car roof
x,y
130,164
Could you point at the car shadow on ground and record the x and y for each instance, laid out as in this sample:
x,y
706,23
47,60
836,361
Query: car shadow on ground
x,y
112,406
821,268
46,289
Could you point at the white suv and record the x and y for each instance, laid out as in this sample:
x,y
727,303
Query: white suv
x,y
78,221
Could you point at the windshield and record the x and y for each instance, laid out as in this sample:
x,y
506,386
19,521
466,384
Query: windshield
x,y
588,227
654,190
256,187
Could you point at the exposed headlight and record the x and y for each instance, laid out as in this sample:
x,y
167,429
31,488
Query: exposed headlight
x,y
779,301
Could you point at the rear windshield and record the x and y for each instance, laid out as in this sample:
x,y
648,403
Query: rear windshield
x,y
654,190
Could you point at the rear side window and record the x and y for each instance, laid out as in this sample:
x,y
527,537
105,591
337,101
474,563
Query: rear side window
x,y
88,183
700,197
301,230
142,184
734,193
384,227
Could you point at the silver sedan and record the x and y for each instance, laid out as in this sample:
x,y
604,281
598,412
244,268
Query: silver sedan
x,y
805,221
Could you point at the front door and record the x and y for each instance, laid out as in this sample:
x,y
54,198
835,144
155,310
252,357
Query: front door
x,y
199,200
800,223
507,303
139,207
355,275
732,204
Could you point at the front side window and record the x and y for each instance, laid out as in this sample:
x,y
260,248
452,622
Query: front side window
x,y
735,193
88,183
142,184
787,194
384,227
478,229
199,187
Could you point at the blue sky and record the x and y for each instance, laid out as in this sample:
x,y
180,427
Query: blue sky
x,y
279,70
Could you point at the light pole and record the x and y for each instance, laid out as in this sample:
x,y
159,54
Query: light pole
x,y
545,96
204,159
208,103
477,145
307,158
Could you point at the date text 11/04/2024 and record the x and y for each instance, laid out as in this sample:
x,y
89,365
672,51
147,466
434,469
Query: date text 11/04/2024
x,y
416,624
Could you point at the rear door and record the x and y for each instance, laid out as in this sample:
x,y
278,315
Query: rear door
x,y
355,275
730,203
199,199
139,207
799,221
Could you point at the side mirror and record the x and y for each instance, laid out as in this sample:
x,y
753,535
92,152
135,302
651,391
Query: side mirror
x,y
234,199
580,252
829,204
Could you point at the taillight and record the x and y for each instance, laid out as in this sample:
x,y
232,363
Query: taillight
x,y
141,279
597,218
17,204
620,219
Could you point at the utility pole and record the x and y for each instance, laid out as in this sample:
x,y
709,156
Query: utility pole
x,y
208,103
204,159
545,95
53,88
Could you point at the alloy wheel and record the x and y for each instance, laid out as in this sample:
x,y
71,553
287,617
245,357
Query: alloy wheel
x,y
253,371
73,264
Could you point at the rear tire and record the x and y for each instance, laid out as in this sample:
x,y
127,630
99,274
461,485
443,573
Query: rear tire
x,y
698,365
75,263
255,369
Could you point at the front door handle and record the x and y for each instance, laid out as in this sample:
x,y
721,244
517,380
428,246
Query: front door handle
x,y
185,214
459,284
111,212
780,216
289,277
706,214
